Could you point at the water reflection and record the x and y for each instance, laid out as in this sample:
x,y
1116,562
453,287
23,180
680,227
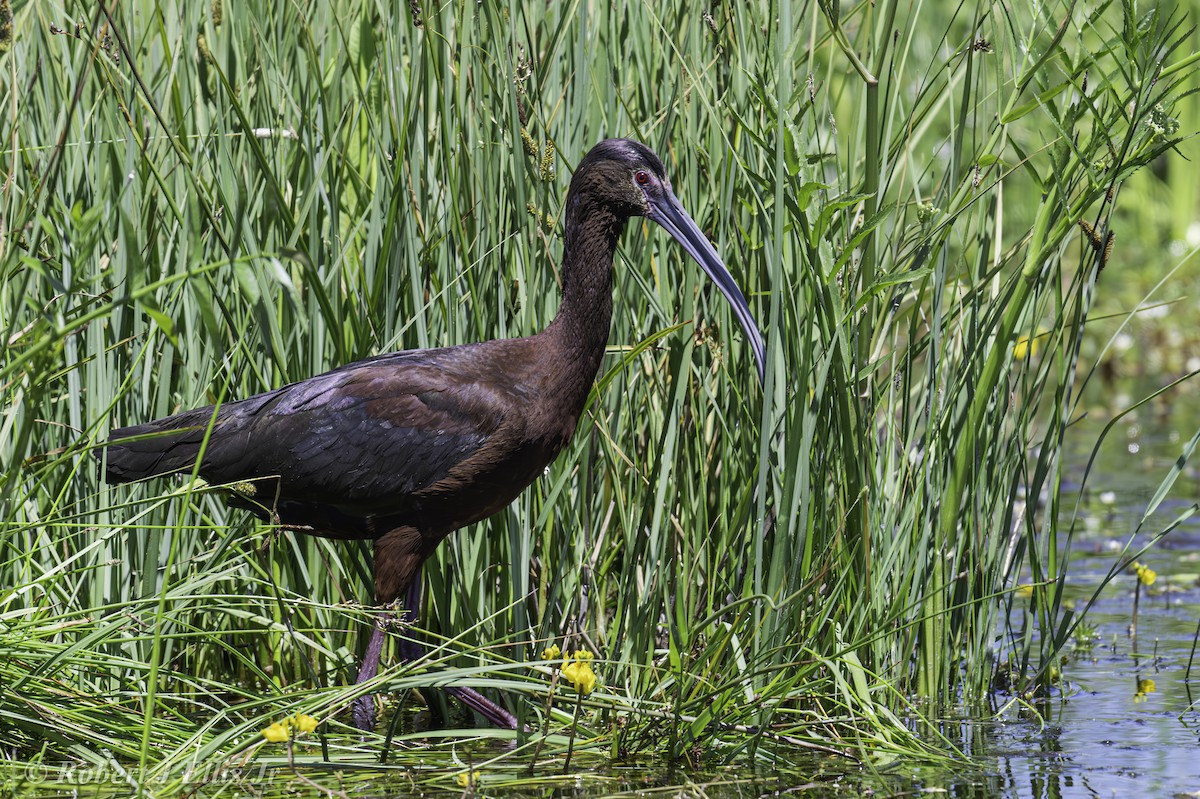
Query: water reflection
x,y
1128,725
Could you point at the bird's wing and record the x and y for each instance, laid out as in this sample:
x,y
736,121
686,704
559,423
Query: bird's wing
x,y
365,435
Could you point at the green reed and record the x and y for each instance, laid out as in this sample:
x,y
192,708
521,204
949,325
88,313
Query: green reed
x,y
918,202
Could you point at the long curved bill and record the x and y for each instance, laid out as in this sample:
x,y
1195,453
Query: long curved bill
x,y
668,213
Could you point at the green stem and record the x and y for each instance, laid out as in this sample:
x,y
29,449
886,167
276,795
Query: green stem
x,y
990,376
866,321
574,730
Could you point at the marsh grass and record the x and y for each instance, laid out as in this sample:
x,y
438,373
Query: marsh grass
x,y
918,202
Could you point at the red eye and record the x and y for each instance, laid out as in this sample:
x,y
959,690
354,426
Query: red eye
x,y
642,177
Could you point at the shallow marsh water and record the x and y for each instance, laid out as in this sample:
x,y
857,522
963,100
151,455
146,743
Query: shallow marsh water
x,y
1130,724
1127,722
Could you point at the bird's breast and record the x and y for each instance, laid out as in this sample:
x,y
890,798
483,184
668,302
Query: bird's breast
x,y
488,482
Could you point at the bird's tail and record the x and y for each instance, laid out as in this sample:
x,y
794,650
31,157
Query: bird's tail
x,y
164,446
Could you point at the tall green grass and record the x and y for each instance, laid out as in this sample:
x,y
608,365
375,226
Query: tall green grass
x,y
207,202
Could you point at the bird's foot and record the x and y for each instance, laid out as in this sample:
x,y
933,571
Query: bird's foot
x,y
486,708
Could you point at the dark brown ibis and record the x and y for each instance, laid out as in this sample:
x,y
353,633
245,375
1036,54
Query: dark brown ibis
x,y
405,448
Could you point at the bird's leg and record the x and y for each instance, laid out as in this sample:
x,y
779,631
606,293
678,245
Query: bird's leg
x,y
411,649
364,706
398,557
397,563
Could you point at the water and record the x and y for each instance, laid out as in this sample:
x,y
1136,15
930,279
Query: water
x,y
1130,724
1128,720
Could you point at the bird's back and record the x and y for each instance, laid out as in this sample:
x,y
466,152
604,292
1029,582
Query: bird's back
x,y
436,432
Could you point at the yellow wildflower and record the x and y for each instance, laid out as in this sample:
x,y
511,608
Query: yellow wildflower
x,y
305,723
1144,687
577,670
467,779
1145,575
278,732
282,730
551,652
1026,347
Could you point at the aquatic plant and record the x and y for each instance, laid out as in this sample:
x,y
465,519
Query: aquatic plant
x,y
200,206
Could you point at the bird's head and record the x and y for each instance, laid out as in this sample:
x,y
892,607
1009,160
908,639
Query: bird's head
x,y
628,178
624,175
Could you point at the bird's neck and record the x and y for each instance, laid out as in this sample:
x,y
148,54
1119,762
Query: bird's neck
x,y
580,331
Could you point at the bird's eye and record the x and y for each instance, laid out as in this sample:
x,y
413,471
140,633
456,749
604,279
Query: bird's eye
x,y
642,177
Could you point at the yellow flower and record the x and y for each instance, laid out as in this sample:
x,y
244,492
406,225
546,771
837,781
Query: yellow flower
x,y
1144,687
282,730
1145,575
578,672
467,779
581,676
305,723
1026,347
551,652
278,732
